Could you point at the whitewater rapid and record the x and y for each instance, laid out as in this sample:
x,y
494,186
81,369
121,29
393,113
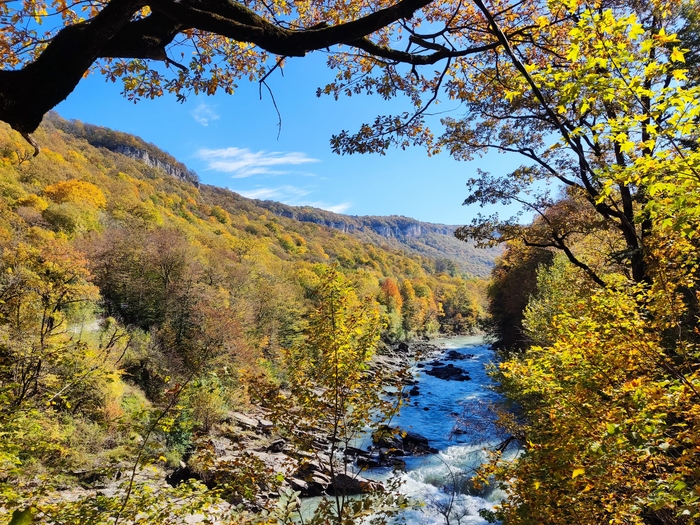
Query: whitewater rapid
x,y
439,481
436,480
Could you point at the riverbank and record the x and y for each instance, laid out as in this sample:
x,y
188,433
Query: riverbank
x,y
250,436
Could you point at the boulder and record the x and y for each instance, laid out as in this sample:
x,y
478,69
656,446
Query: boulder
x,y
353,484
243,420
415,443
298,484
449,373
454,355
387,437
393,442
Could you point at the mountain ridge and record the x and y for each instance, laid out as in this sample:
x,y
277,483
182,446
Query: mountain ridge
x,y
432,240
425,238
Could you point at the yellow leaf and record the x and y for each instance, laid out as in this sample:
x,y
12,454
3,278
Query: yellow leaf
x,y
677,55
573,53
636,30
680,74
627,146
537,485
578,472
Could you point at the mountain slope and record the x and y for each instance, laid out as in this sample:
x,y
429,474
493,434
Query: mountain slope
x,y
128,289
436,241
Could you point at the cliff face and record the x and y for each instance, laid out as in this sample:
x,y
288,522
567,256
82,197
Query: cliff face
x,y
171,169
389,227
432,240
125,144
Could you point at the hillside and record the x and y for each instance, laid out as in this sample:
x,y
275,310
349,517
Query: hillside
x,y
139,307
435,241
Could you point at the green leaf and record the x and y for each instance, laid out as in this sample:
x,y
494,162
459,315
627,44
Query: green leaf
x,y
22,517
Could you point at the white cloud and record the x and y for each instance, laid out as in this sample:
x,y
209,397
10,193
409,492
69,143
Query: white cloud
x,y
242,162
335,208
288,194
293,196
204,114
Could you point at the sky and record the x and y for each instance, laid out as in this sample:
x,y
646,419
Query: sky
x,y
233,141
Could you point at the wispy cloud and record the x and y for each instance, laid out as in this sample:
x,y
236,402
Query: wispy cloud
x,y
293,196
287,194
242,162
204,114
336,208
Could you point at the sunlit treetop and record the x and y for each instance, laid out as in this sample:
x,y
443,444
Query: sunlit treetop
x,y
428,51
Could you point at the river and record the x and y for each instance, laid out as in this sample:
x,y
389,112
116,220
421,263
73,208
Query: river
x,y
429,479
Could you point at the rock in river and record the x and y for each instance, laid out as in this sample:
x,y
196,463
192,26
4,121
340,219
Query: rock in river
x,y
449,373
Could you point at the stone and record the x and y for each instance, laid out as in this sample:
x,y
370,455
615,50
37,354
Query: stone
x,y
349,485
392,442
266,424
277,445
448,372
244,420
298,484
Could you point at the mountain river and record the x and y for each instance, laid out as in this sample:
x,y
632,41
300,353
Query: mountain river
x,y
441,479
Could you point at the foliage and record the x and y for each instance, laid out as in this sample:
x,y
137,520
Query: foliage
x,y
132,303
77,191
333,390
512,283
606,392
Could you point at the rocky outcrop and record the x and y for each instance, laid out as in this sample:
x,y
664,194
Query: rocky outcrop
x,y
454,355
174,170
397,442
393,226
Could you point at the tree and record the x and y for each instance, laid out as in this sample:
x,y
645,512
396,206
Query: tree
x,y
608,393
613,92
331,389
41,278
390,296
512,283
231,40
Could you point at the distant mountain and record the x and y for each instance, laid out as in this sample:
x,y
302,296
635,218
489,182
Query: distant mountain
x,y
436,241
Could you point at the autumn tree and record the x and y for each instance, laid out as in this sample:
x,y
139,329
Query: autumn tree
x,y
609,388
390,296
332,388
41,279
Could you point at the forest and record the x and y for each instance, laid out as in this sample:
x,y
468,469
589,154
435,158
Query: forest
x,y
139,309
593,306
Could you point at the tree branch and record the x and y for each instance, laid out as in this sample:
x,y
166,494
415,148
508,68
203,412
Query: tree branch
x,y
29,93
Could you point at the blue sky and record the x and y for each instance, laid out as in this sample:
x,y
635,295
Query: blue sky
x,y
232,141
